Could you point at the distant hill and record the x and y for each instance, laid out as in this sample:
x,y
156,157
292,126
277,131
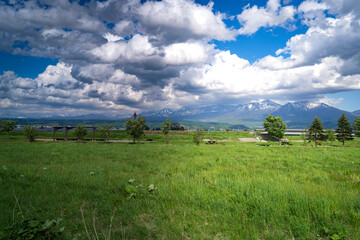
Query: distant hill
x,y
300,114
296,114
235,116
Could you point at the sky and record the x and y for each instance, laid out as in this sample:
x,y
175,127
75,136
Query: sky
x,y
114,57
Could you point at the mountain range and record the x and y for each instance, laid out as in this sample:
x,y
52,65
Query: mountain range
x,y
236,116
295,114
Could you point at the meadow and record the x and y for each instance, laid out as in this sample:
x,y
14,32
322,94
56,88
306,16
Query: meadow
x,y
230,190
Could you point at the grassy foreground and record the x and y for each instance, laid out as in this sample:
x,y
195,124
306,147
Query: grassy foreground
x,y
225,191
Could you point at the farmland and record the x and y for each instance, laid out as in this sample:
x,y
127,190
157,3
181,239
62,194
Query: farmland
x,y
229,190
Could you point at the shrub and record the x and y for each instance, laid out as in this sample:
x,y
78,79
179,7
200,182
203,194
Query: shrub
x,y
80,131
8,125
31,228
105,132
30,133
198,137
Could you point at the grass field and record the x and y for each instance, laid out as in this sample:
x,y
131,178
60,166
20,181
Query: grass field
x,y
230,190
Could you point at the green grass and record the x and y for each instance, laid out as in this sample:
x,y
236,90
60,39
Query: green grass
x,y
156,135
224,191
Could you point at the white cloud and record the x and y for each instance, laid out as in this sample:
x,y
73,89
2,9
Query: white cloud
x,y
124,27
160,54
112,37
137,48
183,19
188,53
272,15
312,5
333,38
330,101
229,76
58,76
5,103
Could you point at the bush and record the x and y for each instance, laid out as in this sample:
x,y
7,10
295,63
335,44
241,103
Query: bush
x,y
80,131
31,228
30,133
198,137
105,132
8,125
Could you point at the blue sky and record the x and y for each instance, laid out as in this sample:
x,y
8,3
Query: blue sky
x,y
116,57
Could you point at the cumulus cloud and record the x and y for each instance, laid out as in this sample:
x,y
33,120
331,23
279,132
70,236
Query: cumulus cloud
x,y
188,53
229,76
123,56
253,18
183,19
334,37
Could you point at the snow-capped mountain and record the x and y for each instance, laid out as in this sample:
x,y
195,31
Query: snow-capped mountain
x,y
266,105
295,114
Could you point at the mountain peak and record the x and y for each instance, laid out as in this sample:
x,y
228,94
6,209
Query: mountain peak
x,y
306,105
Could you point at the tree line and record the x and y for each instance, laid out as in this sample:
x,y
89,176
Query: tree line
x,y
276,128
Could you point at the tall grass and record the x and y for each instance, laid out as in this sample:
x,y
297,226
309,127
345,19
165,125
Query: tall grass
x,y
224,191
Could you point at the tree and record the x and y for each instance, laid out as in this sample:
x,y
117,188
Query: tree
x,y
105,130
30,133
330,134
316,131
166,129
344,130
80,131
135,127
356,126
275,127
8,125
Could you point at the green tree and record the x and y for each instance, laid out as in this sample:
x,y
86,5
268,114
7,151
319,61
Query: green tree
x,y
135,127
316,131
30,133
356,126
344,130
330,134
8,125
80,131
166,130
275,127
105,130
